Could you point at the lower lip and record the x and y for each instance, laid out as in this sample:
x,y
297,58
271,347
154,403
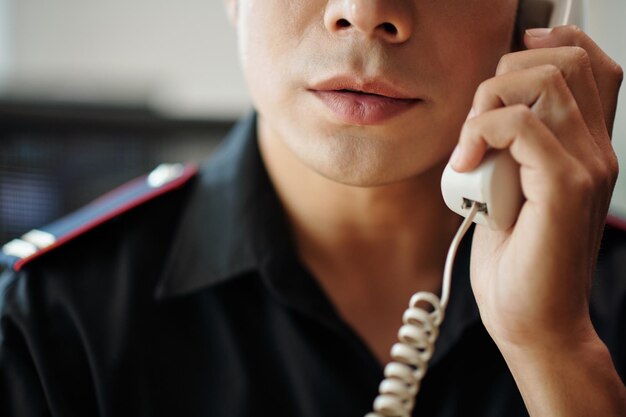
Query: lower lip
x,y
364,109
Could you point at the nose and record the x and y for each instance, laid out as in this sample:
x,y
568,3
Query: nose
x,y
388,20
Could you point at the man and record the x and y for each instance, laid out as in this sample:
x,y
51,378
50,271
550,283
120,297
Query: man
x,y
274,282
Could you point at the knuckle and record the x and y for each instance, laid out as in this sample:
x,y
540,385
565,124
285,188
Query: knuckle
x,y
570,112
618,72
522,114
575,179
505,64
583,181
552,74
574,30
569,34
484,89
604,171
486,95
612,167
580,56
570,180
599,176
550,77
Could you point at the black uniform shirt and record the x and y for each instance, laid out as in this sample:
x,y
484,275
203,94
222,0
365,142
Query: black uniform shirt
x,y
194,303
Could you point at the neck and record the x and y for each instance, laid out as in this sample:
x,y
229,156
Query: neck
x,y
368,236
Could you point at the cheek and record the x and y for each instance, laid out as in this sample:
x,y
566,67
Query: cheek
x,y
467,56
471,49
258,49
269,31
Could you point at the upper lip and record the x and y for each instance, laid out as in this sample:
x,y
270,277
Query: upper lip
x,y
375,86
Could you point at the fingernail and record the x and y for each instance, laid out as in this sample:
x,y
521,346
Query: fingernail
x,y
456,156
538,32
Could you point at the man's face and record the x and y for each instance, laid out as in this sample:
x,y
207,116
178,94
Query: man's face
x,y
420,61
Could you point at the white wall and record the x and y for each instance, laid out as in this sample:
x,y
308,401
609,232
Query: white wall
x,y
179,55
607,27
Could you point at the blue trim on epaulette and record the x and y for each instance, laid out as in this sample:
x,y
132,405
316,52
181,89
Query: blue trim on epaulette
x,y
163,179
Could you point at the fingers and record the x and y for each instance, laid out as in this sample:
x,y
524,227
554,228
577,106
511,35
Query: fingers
x,y
544,91
607,73
532,143
547,170
575,66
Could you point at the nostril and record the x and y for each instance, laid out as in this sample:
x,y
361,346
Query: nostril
x,y
343,23
389,28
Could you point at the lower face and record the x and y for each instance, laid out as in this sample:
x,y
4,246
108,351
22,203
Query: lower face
x,y
292,50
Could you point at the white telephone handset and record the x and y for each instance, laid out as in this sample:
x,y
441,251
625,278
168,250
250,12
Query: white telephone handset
x,y
566,12
490,195
495,184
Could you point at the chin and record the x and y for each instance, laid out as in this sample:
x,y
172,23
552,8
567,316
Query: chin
x,y
362,161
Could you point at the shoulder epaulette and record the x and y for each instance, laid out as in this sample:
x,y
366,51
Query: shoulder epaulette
x,y
165,178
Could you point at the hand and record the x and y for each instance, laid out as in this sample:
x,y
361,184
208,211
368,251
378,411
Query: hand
x,y
553,106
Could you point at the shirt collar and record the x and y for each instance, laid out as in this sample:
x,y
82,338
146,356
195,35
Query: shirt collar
x,y
230,213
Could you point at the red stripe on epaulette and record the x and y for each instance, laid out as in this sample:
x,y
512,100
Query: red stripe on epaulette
x,y
188,173
616,222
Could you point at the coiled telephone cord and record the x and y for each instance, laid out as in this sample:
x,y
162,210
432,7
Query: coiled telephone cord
x,y
417,337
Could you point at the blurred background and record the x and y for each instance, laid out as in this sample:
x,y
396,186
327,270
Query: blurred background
x,y
94,93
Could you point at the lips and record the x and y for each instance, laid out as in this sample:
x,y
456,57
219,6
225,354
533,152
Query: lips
x,y
363,102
